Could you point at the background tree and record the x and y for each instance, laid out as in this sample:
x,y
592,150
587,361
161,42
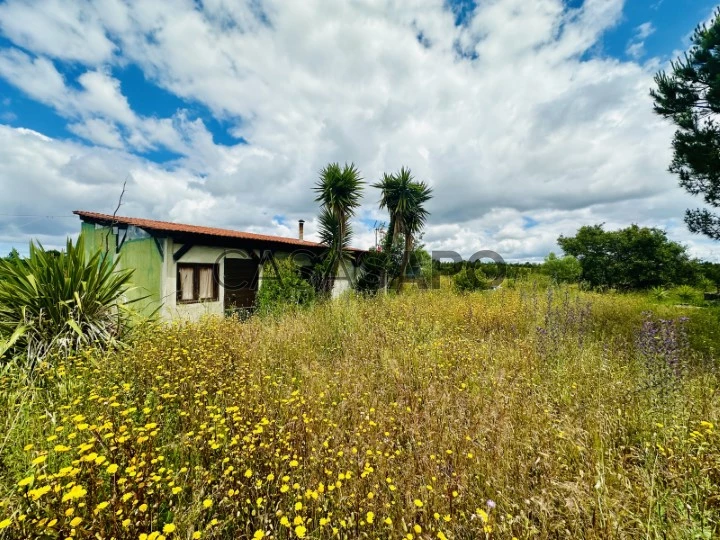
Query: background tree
x,y
471,277
405,199
339,191
690,96
630,258
14,255
565,269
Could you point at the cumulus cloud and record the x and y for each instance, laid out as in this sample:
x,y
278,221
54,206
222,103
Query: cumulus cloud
x,y
509,115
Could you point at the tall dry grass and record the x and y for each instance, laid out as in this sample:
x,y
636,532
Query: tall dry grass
x,y
514,413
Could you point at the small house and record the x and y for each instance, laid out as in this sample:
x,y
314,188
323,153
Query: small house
x,y
186,271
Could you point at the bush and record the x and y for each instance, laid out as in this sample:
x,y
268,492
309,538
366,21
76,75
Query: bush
x,y
470,278
379,268
61,301
283,286
562,270
659,293
686,294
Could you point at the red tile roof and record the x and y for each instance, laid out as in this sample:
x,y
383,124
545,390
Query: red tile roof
x,y
170,227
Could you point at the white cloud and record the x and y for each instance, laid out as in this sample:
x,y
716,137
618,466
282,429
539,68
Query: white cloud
x,y
636,46
645,30
65,30
505,116
98,131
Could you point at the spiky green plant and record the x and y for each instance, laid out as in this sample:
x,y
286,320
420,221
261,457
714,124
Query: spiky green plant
x,y
339,191
61,301
6,344
686,294
405,199
659,293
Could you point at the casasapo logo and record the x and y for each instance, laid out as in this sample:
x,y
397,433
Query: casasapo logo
x,y
349,270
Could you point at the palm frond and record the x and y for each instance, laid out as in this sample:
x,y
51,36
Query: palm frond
x,y
340,189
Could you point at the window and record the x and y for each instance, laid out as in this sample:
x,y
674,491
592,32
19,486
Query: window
x,y
197,283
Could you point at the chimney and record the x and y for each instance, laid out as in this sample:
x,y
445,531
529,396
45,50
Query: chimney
x,y
301,222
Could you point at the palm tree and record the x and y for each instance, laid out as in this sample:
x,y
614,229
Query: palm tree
x,y
339,190
405,199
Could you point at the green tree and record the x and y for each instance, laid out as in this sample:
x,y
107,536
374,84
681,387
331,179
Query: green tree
x,y
710,272
405,199
630,258
14,255
565,269
339,191
690,96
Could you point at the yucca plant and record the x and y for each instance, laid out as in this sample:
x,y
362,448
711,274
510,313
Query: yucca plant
x,y
405,199
659,293
6,344
62,302
686,294
339,190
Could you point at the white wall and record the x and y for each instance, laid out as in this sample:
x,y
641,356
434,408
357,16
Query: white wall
x,y
212,255
347,273
196,254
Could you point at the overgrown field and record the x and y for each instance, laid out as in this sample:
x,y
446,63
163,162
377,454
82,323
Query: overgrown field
x,y
513,413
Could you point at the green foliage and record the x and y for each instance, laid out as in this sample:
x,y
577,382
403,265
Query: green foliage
x,y
686,294
283,287
63,302
378,268
14,255
562,270
7,345
470,278
630,258
659,293
710,272
339,191
423,269
405,200
690,97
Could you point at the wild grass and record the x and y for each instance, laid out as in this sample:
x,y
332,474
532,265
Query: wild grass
x,y
505,414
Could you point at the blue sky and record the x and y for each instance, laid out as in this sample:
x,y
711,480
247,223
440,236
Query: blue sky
x,y
521,115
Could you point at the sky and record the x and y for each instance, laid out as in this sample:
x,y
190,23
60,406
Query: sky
x,y
529,119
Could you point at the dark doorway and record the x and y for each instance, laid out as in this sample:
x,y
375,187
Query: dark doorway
x,y
241,283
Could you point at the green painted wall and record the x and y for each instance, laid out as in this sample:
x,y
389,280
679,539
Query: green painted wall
x,y
142,255
95,239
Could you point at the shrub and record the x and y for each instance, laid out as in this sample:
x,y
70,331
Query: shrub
x,y
283,286
686,294
379,268
62,301
562,269
659,293
470,278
